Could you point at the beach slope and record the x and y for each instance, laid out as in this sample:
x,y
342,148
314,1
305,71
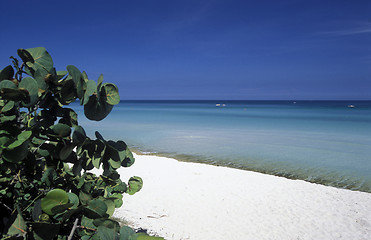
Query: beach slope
x,y
182,200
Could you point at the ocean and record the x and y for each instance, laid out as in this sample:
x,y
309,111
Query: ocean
x,y
326,142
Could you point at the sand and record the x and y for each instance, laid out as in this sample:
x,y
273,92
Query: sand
x,y
182,200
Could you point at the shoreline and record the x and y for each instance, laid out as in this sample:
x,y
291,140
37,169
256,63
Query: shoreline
x,y
350,184
184,200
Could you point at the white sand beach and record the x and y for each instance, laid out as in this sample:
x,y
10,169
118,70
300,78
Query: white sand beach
x,y
182,200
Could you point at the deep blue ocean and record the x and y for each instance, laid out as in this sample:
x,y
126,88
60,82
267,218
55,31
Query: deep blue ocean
x,y
324,142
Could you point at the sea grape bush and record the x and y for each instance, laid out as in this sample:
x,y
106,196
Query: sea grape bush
x,y
46,189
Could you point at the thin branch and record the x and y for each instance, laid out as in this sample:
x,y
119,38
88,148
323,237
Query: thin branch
x,y
33,202
73,229
6,206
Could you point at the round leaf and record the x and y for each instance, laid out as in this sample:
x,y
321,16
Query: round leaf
x,y
73,199
91,88
14,94
135,184
7,73
61,208
7,107
97,110
17,154
126,232
118,199
78,136
77,79
31,86
61,130
108,223
54,198
7,84
98,206
40,76
68,92
112,93
129,159
41,58
21,138
105,233
25,55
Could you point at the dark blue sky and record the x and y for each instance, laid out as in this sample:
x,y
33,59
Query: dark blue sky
x,y
195,49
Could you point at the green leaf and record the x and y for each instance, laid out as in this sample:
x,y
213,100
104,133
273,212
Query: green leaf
x,y
73,198
9,91
98,206
97,110
118,199
129,159
7,73
40,77
78,136
85,76
91,88
53,198
126,232
7,84
70,117
105,233
8,106
32,88
111,93
25,55
100,81
41,58
66,151
110,207
45,231
4,119
81,181
90,213
18,227
77,79
17,154
61,208
135,184
68,92
61,74
88,226
84,197
61,130
72,212
114,164
21,138
36,211
14,94
99,151
121,187
110,172
108,223
3,140
117,150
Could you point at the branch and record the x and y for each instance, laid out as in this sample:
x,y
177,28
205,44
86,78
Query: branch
x,y
6,206
73,229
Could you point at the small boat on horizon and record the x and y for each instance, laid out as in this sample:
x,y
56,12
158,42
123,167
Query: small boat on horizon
x,y
351,106
220,105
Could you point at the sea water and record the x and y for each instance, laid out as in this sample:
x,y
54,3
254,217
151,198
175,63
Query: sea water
x,y
327,142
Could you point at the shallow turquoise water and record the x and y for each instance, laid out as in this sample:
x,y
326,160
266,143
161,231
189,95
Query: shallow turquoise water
x,y
320,141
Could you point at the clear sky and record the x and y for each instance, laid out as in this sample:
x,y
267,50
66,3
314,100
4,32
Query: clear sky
x,y
198,49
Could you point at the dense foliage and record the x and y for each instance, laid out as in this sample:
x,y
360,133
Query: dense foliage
x,y
46,189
